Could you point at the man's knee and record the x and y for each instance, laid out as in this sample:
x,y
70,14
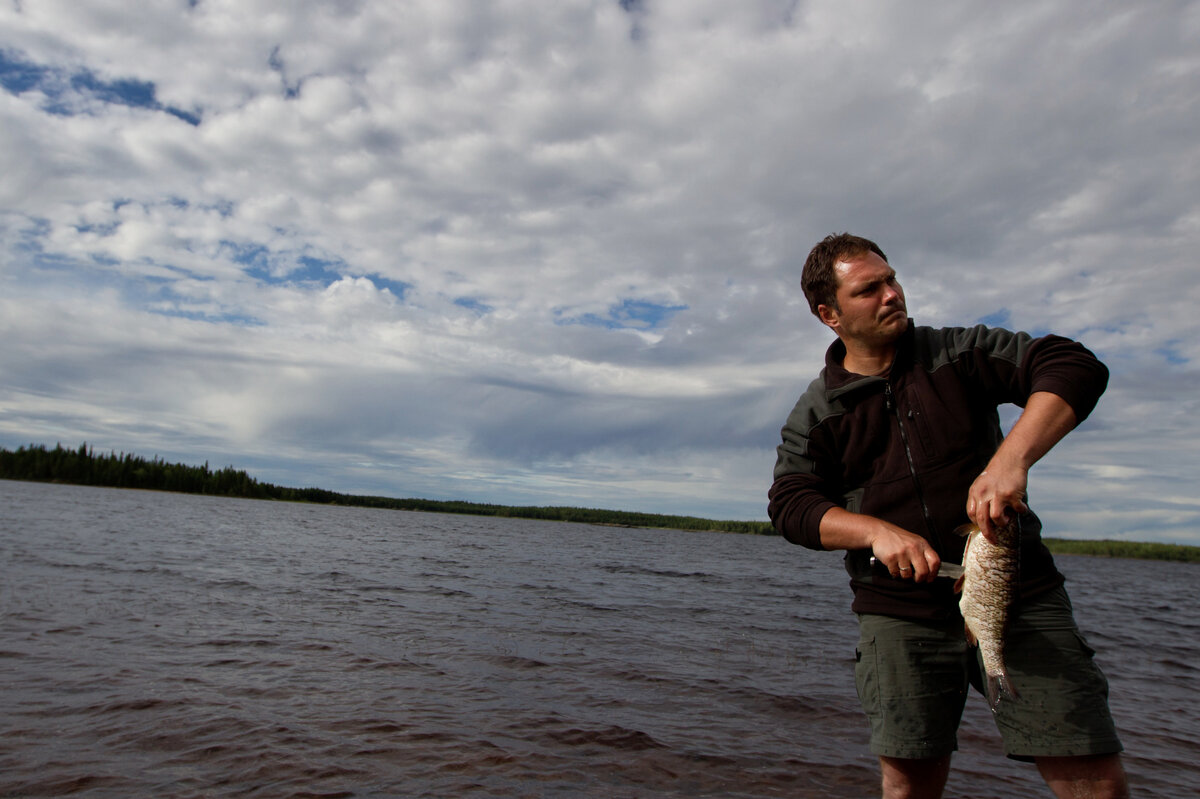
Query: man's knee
x,y
914,779
1085,777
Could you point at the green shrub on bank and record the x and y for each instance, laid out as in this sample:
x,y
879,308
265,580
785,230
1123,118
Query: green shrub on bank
x,y
1125,549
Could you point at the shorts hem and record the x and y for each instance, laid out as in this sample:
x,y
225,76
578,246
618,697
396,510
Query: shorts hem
x,y
909,752
1085,748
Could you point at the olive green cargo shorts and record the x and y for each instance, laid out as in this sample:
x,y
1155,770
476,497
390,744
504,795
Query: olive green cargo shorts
x,y
912,681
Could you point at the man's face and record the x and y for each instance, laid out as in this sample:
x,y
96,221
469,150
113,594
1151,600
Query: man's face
x,y
871,309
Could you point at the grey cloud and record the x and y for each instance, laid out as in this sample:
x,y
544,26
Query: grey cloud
x,y
527,177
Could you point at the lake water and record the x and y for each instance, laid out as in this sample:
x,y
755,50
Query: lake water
x,y
165,645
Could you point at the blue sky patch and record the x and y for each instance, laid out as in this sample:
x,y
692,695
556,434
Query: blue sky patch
x,y
398,287
1170,352
473,305
281,269
285,269
17,76
254,256
629,314
199,316
106,229
317,270
62,89
135,93
1000,318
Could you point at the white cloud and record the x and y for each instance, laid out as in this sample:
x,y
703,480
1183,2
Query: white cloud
x,y
530,251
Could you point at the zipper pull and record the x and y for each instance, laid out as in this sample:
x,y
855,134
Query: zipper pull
x,y
887,397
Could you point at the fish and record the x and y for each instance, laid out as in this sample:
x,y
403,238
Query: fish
x,y
988,587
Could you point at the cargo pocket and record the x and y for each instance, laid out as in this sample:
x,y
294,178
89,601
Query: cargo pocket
x,y
866,676
1084,645
1087,666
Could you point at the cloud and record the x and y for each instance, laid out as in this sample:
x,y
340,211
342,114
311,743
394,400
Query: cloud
x,y
549,253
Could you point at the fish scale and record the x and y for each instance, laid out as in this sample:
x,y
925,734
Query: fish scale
x,y
991,572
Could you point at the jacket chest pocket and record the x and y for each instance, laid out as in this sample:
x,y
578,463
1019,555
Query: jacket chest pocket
x,y
932,432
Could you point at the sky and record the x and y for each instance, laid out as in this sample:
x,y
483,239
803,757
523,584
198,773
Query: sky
x,y
539,253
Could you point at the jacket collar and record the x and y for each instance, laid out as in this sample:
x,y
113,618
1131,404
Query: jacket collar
x,y
839,381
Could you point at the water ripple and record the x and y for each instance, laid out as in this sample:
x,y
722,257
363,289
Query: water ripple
x,y
179,646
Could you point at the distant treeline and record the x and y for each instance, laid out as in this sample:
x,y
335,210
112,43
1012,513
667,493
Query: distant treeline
x,y
1124,549
83,466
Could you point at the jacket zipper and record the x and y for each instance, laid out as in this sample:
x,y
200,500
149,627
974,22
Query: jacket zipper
x,y
894,407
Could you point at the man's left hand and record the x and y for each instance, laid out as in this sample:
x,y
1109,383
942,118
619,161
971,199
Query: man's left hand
x,y
995,495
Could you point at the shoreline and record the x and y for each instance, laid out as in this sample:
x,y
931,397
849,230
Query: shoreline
x,y
82,466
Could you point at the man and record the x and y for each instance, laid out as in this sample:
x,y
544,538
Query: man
x,y
895,445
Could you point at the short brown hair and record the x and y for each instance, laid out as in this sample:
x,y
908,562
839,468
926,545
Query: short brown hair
x,y
818,280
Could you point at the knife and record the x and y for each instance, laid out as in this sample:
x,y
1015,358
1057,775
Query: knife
x,y
951,570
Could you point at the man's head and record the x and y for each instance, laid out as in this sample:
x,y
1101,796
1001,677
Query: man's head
x,y
854,292
819,280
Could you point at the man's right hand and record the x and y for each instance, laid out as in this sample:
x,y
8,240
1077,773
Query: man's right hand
x,y
906,555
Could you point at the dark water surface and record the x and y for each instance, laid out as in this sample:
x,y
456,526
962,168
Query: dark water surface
x,y
165,645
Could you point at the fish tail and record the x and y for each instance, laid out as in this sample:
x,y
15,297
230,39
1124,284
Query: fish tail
x,y
999,686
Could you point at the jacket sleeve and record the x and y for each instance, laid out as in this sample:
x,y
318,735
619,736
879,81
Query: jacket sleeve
x,y
1068,369
805,476
1011,366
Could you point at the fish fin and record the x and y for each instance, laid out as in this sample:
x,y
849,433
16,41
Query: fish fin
x,y
966,529
999,686
958,584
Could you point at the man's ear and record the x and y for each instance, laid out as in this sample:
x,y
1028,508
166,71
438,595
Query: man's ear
x,y
828,316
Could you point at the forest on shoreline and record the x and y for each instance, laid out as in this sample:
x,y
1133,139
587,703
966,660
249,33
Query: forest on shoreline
x,y
83,466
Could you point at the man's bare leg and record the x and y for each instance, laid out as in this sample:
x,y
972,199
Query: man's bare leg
x,y
914,779
1099,777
